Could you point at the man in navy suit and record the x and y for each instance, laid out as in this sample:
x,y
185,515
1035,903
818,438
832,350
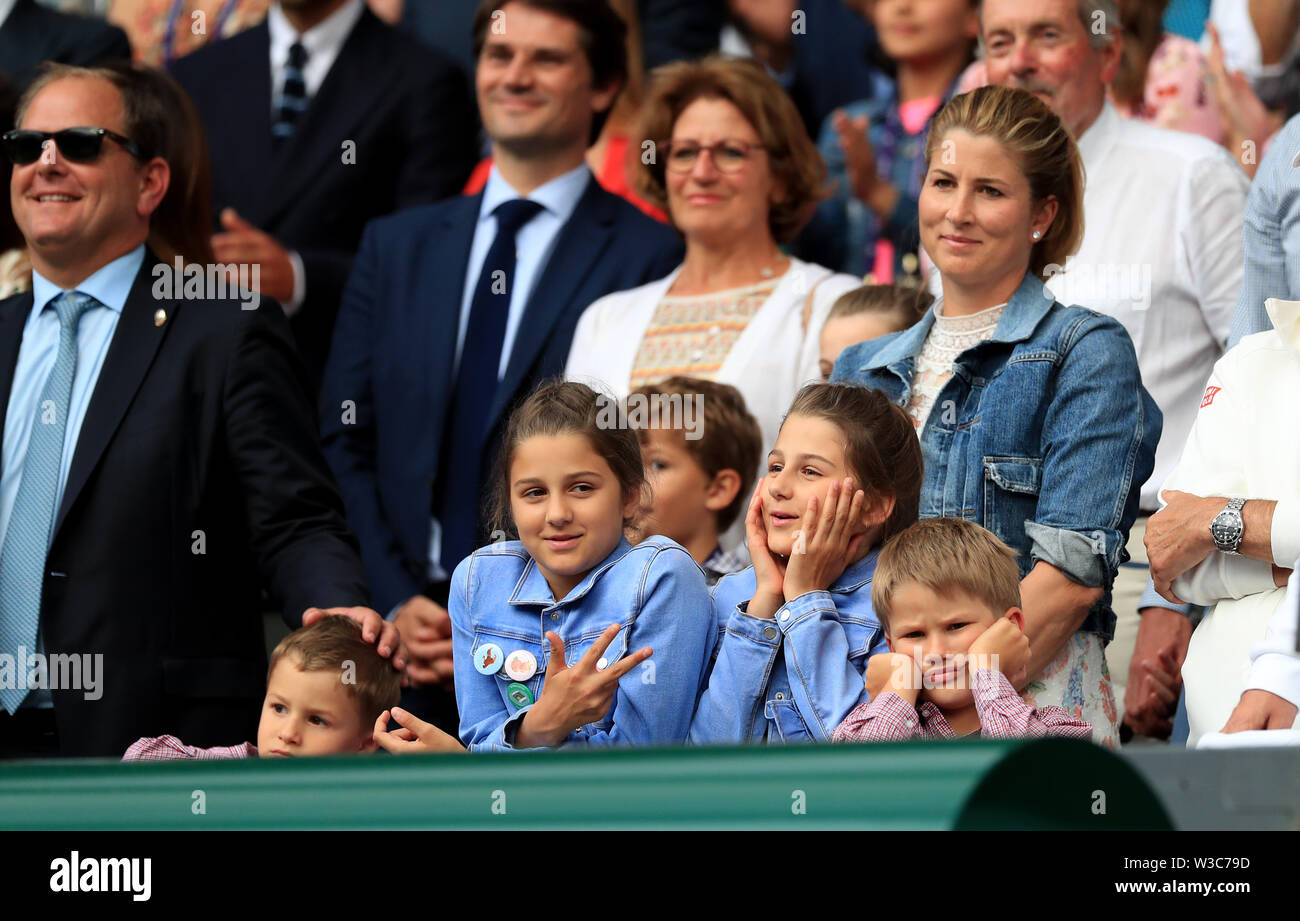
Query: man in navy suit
x,y
426,364
320,119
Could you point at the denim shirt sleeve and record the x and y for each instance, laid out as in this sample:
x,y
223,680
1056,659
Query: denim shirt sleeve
x,y
825,683
1099,438
654,706
731,708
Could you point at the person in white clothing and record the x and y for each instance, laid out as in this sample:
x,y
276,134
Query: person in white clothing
x,y
1272,696
1161,253
1229,532
738,175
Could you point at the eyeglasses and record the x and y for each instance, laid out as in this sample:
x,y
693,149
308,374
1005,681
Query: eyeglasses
x,y
727,156
80,145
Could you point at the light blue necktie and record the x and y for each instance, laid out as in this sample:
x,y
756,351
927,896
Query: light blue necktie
x,y
27,540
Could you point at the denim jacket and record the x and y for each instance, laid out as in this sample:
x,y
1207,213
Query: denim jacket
x,y
1044,434
655,590
795,677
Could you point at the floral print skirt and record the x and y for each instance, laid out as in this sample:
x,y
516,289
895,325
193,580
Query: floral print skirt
x,y
1078,682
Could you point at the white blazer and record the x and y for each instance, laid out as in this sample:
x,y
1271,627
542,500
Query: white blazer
x,y
771,359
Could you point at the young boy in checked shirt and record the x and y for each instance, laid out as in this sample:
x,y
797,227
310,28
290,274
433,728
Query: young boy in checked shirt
x,y
328,692
948,595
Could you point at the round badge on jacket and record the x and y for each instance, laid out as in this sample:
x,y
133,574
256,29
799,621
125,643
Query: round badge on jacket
x,y
521,665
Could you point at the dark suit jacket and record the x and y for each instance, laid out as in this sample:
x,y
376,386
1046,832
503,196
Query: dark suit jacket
x,y
395,346
33,34
202,424
404,106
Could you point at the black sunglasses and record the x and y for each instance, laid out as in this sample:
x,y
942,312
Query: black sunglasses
x,y
80,145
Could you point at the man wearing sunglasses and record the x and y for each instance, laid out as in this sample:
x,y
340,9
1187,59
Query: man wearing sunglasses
x,y
159,457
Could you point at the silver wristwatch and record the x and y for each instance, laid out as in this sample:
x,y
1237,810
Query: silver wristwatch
x,y
1226,528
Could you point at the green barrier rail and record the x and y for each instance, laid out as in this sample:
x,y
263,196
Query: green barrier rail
x,y
1051,783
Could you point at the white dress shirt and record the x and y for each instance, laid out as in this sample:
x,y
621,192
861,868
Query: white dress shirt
x,y
1162,254
534,243
323,42
6,7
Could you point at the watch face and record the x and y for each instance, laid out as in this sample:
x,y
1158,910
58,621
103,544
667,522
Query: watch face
x,y
1225,530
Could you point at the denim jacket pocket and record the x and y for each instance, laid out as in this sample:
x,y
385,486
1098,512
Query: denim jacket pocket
x,y
1011,487
783,715
511,642
613,653
862,634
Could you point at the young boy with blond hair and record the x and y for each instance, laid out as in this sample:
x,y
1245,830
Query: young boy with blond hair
x,y
325,689
947,593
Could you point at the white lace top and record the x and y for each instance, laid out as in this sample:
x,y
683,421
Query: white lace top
x,y
948,338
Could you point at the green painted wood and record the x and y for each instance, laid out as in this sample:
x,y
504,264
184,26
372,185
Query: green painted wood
x,y
913,786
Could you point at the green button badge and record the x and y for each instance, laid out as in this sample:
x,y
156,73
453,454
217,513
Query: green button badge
x,y
519,695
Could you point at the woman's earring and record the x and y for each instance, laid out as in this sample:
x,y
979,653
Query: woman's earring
x,y
1038,234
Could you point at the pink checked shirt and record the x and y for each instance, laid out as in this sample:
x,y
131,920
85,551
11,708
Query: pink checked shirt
x,y
170,748
1003,715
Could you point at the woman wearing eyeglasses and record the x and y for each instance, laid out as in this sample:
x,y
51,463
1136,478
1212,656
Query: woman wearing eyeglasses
x,y
730,162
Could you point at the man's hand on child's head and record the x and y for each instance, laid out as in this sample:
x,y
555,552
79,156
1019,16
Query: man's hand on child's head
x,y
1004,647
425,628
373,627
415,737
893,671
829,541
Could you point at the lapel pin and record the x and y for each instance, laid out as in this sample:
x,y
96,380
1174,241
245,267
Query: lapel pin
x,y
159,317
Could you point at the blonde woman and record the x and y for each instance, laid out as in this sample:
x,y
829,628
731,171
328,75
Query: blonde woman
x,y
1032,415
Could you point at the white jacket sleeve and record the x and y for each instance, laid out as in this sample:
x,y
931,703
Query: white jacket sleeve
x,y
1275,664
1211,466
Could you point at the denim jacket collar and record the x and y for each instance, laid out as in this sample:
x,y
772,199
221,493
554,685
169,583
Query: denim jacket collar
x,y
533,589
857,574
1026,309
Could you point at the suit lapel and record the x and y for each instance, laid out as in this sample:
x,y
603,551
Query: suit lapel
x,y
13,314
135,342
582,242
358,81
244,126
439,316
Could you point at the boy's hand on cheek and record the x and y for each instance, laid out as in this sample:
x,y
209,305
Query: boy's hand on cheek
x,y
893,671
769,572
1008,643
820,557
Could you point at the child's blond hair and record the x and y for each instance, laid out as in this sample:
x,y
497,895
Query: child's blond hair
x,y
947,554
328,645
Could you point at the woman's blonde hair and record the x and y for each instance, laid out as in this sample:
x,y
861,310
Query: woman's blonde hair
x,y
1040,143
794,158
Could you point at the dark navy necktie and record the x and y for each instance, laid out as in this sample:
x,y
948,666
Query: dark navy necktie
x,y
293,98
457,496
